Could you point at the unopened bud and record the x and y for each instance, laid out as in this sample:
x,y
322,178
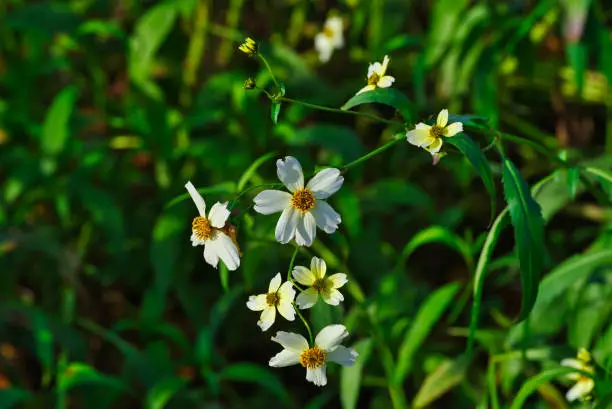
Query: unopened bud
x,y
250,83
248,46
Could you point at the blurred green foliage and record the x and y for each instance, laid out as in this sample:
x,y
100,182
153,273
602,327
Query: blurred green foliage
x,y
108,107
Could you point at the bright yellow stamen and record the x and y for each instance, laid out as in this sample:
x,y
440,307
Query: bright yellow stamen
x,y
313,358
202,229
303,200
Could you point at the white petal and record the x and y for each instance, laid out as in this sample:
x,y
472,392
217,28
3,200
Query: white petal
x,y
453,129
306,230
369,87
268,315
286,310
332,297
435,146
257,302
384,67
275,283
197,198
284,358
318,267
195,241
303,275
385,82
580,390
324,47
307,298
210,254
331,336
572,363
343,356
218,215
326,218
419,137
374,69
338,280
442,119
225,248
291,341
317,376
290,173
286,292
287,224
325,183
271,201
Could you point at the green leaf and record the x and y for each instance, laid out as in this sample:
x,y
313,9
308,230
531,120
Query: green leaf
x,y
337,138
428,315
573,177
350,376
534,382
386,96
10,397
274,111
79,374
55,128
445,377
577,58
480,163
481,268
437,234
221,188
248,174
251,373
528,226
159,396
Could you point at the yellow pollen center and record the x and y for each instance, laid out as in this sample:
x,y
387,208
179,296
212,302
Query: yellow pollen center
x,y
272,299
373,79
328,32
201,228
313,358
303,200
319,285
436,131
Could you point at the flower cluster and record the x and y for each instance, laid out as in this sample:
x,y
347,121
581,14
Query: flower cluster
x,y
584,384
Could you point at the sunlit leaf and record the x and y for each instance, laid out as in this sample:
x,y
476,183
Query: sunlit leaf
x,y
78,374
445,377
386,96
159,396
274,111
350,376
248,174
55,129
532,384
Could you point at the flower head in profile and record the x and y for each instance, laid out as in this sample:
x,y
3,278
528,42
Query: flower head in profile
x,y
377,77
304,208
279,297
430,137
326,349
208,231
330,38
314,278
584,384
248,46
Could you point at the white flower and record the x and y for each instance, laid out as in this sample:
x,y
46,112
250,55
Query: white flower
x,y
430,137
330,38
584,384
377,77
326,349
278,297
206,231
315,278
304,209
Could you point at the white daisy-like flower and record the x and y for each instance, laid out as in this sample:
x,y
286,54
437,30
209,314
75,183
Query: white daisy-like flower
x,y
304,208
206,231
377,77
584,384
330,38
430,137
326,287
326,349
279,297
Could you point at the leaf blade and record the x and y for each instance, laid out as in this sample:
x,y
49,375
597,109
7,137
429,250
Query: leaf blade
x,y
385,96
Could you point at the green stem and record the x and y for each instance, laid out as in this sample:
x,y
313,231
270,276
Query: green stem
x,y
290,269
297,311
338,111
262,58
373,153
68,308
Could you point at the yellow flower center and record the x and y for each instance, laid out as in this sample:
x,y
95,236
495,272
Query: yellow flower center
x,y
272,299
373,79
328,32
303,200
436,131
202,229
313,358
320,285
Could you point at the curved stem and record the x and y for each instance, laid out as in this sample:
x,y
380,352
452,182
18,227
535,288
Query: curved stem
x,y
290,269
339,111
310,337
372,153
262,58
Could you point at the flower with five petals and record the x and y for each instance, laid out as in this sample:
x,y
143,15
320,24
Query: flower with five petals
x,y
326,287
430,137
377,77
279,297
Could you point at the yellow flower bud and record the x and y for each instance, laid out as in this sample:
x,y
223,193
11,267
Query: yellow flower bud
x,y
249,47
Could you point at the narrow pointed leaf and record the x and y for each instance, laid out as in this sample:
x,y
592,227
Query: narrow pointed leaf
x,y
386,96
274,111
526,217
445,377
